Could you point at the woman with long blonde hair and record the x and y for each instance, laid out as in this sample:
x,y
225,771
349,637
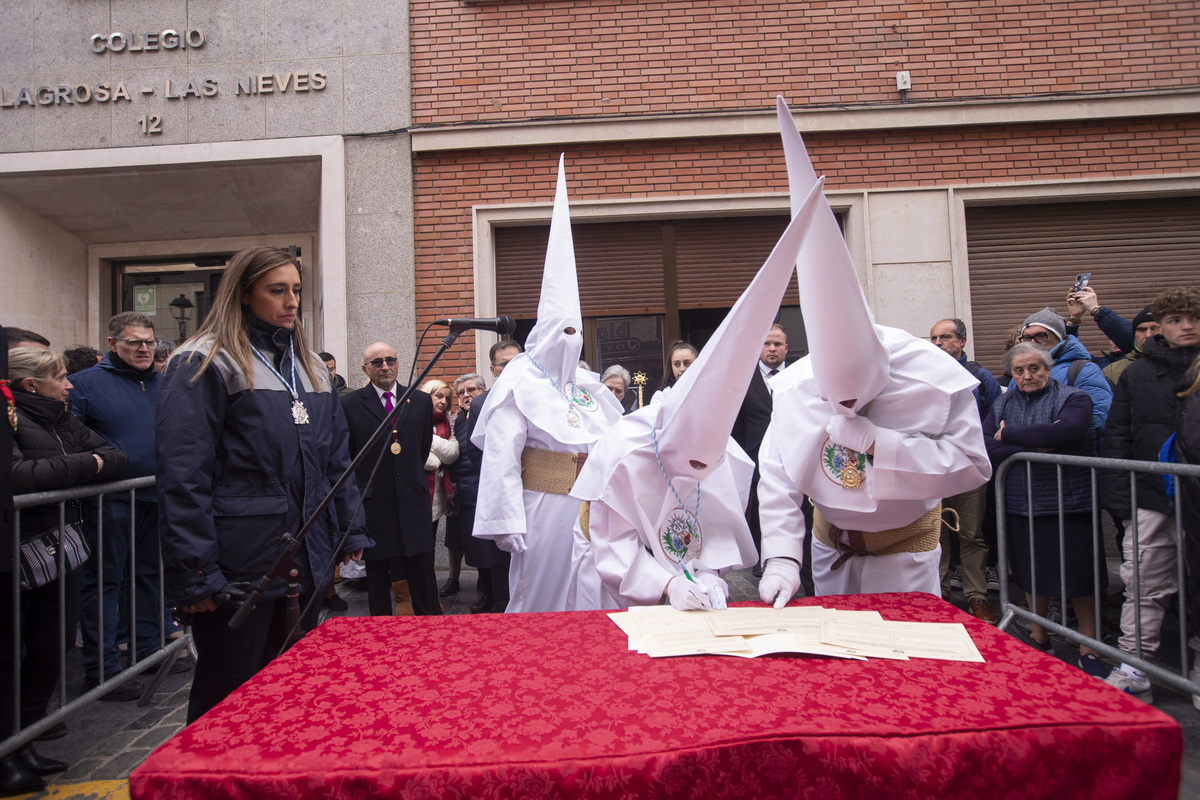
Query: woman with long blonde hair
x,y
250,438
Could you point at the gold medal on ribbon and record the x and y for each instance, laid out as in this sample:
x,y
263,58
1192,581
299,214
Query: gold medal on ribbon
x,y
395,448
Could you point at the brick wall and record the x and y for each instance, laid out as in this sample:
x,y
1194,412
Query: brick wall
x,y
447,185
519,60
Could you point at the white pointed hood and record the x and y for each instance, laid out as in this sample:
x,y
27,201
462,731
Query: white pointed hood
x,y
558,308
849,361
553,393
697,415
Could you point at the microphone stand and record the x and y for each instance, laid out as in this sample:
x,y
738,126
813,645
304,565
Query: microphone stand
x,y
285,564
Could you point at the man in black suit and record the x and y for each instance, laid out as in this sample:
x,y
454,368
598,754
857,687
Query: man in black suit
x,y
751,424
397,501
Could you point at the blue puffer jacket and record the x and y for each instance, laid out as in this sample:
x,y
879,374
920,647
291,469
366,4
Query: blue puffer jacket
x,y
1091,378
235,472
118,402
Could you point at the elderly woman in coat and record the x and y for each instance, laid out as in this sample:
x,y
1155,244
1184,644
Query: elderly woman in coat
x,y
51,450
1042,415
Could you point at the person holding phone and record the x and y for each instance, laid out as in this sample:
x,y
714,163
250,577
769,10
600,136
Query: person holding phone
x,y
1082,300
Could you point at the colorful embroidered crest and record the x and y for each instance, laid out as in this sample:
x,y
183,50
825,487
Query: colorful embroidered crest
x,y
680,536
845,467
583,398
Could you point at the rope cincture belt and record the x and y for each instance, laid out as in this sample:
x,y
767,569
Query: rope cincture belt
x,y
550,472
918,536
585,519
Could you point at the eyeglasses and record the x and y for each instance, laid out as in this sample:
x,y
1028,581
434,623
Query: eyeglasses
x,y
379,362
472,390
1041,337
138,344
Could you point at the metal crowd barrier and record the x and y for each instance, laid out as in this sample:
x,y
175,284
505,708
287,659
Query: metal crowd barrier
x,y
163,658
1155,671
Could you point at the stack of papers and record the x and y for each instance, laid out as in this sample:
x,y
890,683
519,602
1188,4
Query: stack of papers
x,y
662,631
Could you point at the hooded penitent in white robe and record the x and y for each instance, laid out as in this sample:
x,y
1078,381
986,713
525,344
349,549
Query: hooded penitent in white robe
x,y
542,400
928,445
928,442
667,486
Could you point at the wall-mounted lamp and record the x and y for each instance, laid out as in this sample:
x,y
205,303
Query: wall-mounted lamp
x,y
181,310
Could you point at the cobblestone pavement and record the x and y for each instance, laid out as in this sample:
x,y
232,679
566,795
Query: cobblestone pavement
x,y
107,740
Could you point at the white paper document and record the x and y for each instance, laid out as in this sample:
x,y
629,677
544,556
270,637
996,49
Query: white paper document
x,y
662,631
946,641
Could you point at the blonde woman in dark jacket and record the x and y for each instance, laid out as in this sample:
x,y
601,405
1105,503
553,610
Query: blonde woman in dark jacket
x,y
250,439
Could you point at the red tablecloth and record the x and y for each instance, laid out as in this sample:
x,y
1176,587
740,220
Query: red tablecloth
x,y
555,706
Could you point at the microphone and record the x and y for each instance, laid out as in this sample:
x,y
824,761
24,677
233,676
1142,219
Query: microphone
x,y
501,325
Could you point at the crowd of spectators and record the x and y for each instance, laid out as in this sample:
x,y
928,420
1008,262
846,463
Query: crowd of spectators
x,y
88,416
1137,394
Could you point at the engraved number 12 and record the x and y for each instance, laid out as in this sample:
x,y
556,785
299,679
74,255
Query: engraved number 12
x,y
150,124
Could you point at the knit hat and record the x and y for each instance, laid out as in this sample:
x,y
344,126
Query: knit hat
x,y
1049,319
1143,317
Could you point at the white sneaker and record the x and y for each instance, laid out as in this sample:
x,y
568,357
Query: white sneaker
x,y
1194,677
1131,685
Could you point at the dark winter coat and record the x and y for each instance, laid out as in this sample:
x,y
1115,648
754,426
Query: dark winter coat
x,y
465,471
1090,378
398,509
54,450
1057,418
118,402
1142,416
235,473
1187,448
1118,330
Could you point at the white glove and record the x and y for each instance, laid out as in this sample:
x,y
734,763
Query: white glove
x,y
780,581
857,433
714,586
511,543
686,595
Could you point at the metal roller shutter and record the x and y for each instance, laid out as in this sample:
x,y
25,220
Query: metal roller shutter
x,y
619,268
620,264
1022,258
717,258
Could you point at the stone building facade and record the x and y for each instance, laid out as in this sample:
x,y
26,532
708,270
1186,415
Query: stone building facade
x,y
408,151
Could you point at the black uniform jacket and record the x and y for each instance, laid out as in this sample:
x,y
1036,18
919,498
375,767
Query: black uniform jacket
x,y
398,508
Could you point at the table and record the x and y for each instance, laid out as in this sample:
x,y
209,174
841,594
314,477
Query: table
x,y
555,706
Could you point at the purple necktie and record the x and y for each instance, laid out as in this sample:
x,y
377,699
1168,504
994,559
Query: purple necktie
x,y
387,403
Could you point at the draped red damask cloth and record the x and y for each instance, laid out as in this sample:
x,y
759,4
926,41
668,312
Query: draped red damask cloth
x,y
525,706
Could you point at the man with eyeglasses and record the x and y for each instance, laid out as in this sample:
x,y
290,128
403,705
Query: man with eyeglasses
x,y
396,500
116,398
1073,365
